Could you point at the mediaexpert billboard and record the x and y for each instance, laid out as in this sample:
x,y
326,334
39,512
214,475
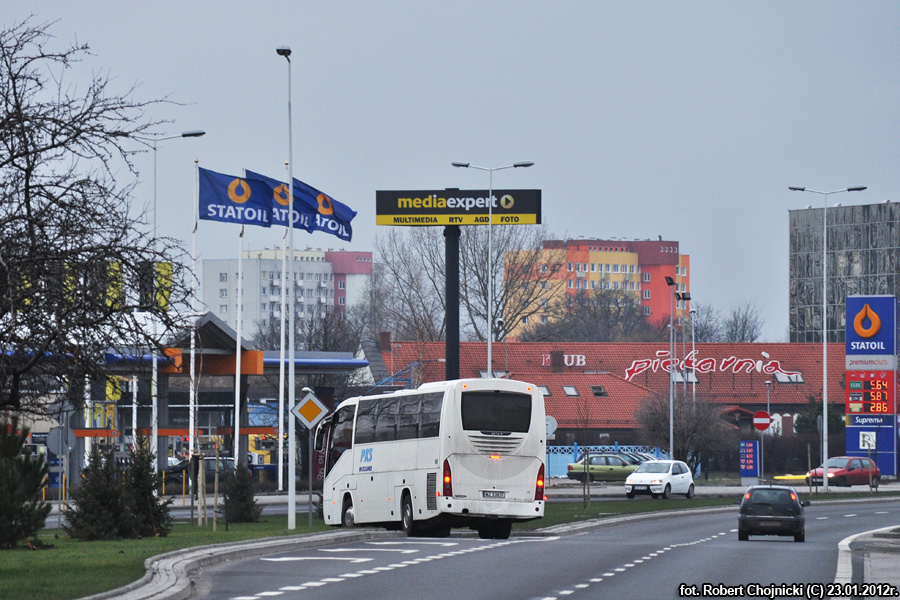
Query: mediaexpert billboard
x,y
418,208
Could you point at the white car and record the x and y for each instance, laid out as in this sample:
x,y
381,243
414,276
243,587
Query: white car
x,y
660,478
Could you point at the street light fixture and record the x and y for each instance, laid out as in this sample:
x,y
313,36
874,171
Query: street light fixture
x,y
825,320
671,283
154,399
490,320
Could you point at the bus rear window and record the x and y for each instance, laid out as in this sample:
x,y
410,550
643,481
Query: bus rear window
x,y
496,411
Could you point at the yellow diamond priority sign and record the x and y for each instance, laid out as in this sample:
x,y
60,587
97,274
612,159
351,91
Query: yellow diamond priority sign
x,y
309,410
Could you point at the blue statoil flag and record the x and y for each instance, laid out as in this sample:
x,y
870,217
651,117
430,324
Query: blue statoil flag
x,y
313,210
231,199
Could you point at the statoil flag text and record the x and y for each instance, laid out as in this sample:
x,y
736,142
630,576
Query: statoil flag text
x,y
313,210
231,199
259,200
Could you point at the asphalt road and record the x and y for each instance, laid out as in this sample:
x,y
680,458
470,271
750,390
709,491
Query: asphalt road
x,y
645,558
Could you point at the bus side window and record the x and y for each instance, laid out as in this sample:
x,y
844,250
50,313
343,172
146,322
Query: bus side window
x,y
365,421
430,423
342,437
386,422
408,423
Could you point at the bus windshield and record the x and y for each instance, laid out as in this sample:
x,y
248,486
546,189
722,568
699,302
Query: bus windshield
x,y
496,411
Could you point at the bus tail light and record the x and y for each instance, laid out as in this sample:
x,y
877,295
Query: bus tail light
x,y
539,484
448,480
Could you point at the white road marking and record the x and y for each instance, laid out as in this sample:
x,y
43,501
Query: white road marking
x,y
266,594
851,515
292,588
296,558
400,550
396,543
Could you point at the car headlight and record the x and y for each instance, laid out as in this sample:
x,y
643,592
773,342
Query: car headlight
x,y
656,482
831,473
628,481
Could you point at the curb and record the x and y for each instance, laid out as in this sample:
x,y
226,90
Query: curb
x,y
169,576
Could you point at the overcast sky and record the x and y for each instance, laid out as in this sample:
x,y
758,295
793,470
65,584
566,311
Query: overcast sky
x,y
686,120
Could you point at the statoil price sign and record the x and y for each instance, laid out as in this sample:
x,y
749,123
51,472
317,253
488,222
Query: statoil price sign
x,y
870,379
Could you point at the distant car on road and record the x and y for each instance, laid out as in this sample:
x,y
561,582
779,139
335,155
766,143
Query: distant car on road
x,y
175,473
660,478
847,471
771,510
602,467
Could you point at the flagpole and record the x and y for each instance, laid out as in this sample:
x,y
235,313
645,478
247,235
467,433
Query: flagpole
x,y
237,358
284,284
192,407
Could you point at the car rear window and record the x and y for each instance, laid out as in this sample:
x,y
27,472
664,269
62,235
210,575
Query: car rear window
x,y
771,497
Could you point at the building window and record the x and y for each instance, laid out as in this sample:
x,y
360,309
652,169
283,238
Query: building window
x,y
264,275
615,268
646,294
342,285
646,311
223,308
544,390
570,284
223,277
524,320
544,268
593,267
342,301
570,390
599,391
263,292
223,293
263,307
646,277
544,319
569,267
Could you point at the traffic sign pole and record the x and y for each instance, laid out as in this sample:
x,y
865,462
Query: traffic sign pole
x,y
762,420
309,410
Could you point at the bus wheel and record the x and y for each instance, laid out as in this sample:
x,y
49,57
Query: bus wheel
x,y
347,513
407,522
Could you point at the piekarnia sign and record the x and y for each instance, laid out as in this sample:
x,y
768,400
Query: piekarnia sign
x,y
419,208
667,364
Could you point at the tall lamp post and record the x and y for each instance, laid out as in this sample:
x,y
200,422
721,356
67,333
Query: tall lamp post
x,y
693,361
490,320
671,283
825,320
154,400
292,394
684,297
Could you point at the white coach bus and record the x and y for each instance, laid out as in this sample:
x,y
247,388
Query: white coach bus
x,y
468,452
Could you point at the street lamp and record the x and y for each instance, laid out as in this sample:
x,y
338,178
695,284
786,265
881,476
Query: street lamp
x,y
684,297
825,320
292,394
671,283
490,321
693,361
154,399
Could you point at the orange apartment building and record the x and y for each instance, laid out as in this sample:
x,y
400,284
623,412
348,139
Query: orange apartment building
x,y
637,267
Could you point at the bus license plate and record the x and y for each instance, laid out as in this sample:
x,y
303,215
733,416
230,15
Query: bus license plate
x,y
493,494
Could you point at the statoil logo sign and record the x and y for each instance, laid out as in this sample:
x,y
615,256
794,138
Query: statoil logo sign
x,y
871,325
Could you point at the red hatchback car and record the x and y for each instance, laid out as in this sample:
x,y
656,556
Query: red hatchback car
x,y
847,471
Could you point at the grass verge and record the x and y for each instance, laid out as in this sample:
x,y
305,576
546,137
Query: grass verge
x,y
65,569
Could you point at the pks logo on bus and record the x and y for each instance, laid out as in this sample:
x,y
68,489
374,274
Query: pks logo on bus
x,y
870,324
365,456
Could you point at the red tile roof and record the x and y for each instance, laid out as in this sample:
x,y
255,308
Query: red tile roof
x,y
729,374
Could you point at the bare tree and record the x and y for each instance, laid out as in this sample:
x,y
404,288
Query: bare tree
x,y
407,294
408,285
599,315
76,272
743,324
706,323
697,425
